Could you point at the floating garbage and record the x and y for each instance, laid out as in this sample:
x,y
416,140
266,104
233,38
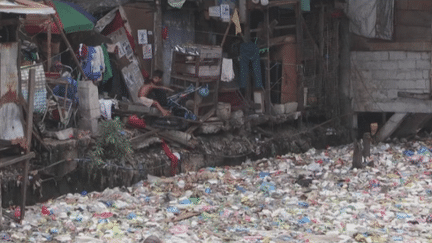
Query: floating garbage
x,y
309,197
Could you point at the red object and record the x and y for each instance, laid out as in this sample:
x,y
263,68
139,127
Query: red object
x,y
103,215
17,213
171,156
45,211
56,115
145,73
233,98
165,33
52,75
136,122
337,14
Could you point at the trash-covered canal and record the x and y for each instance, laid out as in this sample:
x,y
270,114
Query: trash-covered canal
x,y
309,197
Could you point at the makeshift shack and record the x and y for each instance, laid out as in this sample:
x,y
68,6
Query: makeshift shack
x,y
17,95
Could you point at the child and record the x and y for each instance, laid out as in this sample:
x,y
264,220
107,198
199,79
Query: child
x,y
148,86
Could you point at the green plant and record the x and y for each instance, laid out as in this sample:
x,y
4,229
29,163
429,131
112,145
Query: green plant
x,y
110,144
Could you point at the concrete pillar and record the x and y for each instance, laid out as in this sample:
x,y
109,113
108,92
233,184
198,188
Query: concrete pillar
x,y
89,108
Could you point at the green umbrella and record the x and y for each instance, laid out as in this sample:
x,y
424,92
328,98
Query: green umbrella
x,y
71,19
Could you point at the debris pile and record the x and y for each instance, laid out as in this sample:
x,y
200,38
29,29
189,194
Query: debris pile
x,y
309,197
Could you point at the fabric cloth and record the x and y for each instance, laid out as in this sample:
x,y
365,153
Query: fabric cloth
x,y
137,122
249,52
105,108
171,156
235,19
227,70
92,68
72,92
108,70
146,101
98,64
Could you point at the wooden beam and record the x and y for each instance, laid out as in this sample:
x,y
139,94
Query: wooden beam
x,y
363,44
391,125
267,96
15,159
191,129
282,3
158,60
5,22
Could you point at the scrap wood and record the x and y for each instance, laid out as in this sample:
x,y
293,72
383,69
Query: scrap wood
x,y
183,216
204,118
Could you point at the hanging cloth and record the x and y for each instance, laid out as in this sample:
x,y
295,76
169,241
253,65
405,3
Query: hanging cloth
x,y
227,70
108,70
171,156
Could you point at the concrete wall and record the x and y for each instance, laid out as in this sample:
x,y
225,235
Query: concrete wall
x,y
378,76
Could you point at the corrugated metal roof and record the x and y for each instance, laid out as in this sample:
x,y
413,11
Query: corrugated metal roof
x,y
25,7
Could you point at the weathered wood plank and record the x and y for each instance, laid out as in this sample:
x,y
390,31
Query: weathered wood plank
x,y
413,18
425,5
363,44
391,125
412,33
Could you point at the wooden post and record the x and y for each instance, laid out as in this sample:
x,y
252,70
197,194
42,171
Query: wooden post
x,y
49,47
29,129
1,207
366,144
267,97
357,156
299,40
158,60
320,59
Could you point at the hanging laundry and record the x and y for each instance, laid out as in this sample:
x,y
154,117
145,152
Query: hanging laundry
x,y
227,70
249,52
108,70
235,19
93,63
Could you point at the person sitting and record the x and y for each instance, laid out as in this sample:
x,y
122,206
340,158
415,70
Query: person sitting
x,y
148,87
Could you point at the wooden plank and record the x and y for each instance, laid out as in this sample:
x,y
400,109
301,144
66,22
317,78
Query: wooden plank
x,y
363,44
391,125
412,124
29,133
413,18
425,5
15,159
1,208
401,4
203,119
412,33
5,22
30,109
282,3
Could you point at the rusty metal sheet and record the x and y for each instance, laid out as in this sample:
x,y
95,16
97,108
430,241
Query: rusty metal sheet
x,y
8,67
11,126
